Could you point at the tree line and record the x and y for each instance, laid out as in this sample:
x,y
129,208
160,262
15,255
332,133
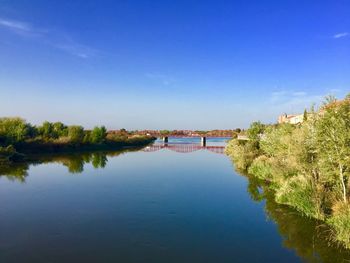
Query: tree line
x,y
16,133
17,130
307,166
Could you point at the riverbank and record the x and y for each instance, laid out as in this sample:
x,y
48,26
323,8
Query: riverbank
x,y
20,151
75,161
305,166
34,147
19,138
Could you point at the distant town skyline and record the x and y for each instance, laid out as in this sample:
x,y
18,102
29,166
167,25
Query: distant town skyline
x,y
197,65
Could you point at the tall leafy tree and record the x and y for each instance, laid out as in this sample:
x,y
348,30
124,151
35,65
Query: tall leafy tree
x,y
46,130
13,130
59,129
255,130
76,134
305,115
333,135
98,134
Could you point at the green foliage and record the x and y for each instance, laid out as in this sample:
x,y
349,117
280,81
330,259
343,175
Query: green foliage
x,y
6,153
45,130
59,129
164,132
98,135
50,130
99,160
255,130
13,130
307,165
340,221
201,132
333,138
277,140
305,115
75,165
14,171
87,137
76,134
242,153
9,154
261,168
300,194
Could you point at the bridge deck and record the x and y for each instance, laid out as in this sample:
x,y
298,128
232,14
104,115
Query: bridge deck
x,y
184,148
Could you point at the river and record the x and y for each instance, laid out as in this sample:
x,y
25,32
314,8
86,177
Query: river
x,y
164,203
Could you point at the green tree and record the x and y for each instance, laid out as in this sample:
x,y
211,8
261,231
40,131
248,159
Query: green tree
x,y
32,131
13,130
164,132
255,130
277,141
87,137
333,136
46,129
305,115
76,134
59,129
98,134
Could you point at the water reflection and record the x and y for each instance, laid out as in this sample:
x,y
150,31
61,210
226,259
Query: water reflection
x,y
75,162
310,239
14,171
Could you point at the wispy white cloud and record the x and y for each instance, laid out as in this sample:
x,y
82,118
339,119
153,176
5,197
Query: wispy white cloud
x,y
164,79
21,28
15,25
340,35
277,96
52,38
296,101
74,48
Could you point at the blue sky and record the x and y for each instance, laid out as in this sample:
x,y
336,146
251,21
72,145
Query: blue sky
x,y
170,64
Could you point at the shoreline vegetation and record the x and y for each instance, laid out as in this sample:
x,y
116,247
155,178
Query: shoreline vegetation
x,y
18,139
306,166
74,161
306,236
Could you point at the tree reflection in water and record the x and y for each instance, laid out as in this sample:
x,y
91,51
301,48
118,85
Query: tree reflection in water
x,y
14,172
75,163
310,239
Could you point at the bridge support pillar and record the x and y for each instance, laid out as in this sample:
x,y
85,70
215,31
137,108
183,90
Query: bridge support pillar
x,y
203,141
165,139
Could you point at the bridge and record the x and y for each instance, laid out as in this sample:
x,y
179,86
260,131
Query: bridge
x,y
184,148
165,139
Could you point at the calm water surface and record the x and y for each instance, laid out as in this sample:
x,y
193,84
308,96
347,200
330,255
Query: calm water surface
x,y
175,203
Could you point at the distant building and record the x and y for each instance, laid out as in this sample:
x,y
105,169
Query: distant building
x,y
291,118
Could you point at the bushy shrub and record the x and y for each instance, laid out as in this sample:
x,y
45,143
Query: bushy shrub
x,y
299,193
261,168
340,221
242,153
75,134
98,134
50,130
13,130
255,130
